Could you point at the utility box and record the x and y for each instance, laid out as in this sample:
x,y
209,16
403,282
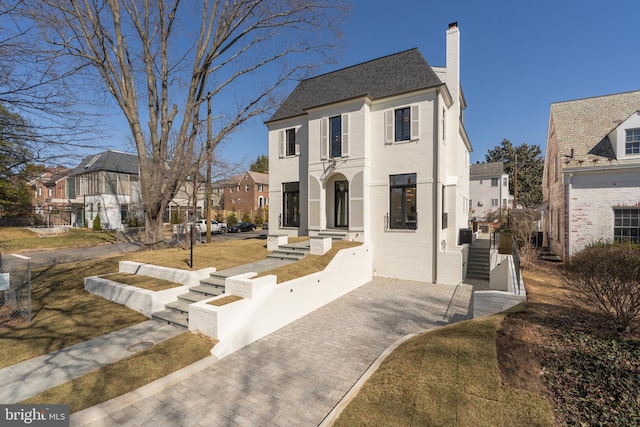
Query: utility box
x,y
466,236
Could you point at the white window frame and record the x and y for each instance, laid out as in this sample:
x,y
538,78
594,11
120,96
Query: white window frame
x,y
390,124
632,142
325,144
283,143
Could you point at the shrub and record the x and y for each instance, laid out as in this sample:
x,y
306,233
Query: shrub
x,y
219,216
259,218
246,216
232,219
97,225
606,277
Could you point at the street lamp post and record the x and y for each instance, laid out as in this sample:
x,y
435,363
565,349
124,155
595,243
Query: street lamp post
x,y
207,196
207,191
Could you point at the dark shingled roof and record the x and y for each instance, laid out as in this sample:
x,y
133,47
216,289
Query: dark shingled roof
x,y
111,161
395,74
486,169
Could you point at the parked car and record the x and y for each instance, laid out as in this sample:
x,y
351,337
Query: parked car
x,y
242,226
216,227
265,226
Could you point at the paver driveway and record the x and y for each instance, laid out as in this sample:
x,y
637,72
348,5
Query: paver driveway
x,y
298,374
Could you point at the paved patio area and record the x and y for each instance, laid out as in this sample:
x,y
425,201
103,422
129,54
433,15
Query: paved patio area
x,y
298,374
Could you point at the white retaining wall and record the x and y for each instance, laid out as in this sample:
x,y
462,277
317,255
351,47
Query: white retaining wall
x,y
267,306
504,277
142,300
184,277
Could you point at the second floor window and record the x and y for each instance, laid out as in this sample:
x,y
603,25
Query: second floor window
x,y
494,182
291,142
632,144
403,124
335,136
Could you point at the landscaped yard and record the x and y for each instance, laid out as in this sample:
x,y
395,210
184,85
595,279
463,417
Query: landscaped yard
x,y
17,239
547,359
547,363
64,314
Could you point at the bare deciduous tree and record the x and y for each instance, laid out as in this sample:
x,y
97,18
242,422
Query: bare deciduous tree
x,y
161,60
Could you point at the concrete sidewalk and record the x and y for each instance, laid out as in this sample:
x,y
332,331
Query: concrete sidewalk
x,y
33,376
296,375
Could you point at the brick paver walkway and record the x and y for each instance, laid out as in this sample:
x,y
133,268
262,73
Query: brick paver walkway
x,y
298,374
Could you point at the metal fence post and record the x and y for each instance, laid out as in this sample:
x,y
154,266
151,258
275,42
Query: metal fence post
x,y
29,290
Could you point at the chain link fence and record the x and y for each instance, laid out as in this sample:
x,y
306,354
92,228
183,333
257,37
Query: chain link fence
x,y
15,295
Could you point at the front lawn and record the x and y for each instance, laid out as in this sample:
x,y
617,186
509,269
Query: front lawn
x,y
21,239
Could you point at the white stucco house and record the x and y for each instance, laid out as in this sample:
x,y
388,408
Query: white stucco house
x,y
488,189
107,185
378,153
591,181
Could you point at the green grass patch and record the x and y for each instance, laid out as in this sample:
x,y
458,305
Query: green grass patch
x,y
225,300
19,239
140,281
128,374
446,377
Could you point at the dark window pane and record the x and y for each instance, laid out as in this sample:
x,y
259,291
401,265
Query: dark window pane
x,y
402,202
403,124
335,133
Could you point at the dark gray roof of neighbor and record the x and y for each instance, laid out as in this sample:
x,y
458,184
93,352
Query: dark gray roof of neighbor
x,y
584,125
486,169
395,74
110,161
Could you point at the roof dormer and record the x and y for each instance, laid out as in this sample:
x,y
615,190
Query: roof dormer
x,y
625,138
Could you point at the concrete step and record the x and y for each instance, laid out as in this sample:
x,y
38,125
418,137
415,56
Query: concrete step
x,y
214,280
286,255
192,297
178,306
171,317
207,289
306,247
335,235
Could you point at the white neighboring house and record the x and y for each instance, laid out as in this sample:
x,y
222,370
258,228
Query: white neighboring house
x,y
488,189
107,184
591,181
378,152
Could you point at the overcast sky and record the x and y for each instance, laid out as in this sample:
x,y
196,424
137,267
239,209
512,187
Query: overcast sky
x,y
517,57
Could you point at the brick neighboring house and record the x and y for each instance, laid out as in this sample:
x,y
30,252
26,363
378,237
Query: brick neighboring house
x,y
246,193
51,199
591,181
488,189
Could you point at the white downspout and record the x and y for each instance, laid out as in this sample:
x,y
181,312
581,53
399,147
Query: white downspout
x,y
436,217
568,208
